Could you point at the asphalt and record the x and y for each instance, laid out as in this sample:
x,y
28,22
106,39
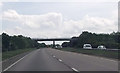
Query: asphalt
x,y
48,59
10,61
39,60
84,62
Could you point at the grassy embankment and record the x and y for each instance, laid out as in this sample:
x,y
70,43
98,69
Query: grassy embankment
x,y
9,54
95,52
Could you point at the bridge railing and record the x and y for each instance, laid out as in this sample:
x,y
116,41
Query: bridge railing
x,y
51,39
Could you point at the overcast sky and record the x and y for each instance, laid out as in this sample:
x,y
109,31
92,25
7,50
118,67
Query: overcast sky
x,y
59,0
58,19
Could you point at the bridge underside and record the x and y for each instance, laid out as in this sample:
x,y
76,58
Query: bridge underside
x,y
67,39
58,39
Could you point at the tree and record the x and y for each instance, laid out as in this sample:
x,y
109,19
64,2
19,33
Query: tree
x,y
109,40
5,41
10,43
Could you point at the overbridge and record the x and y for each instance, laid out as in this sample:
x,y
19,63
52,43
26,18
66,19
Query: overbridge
x,y
52,39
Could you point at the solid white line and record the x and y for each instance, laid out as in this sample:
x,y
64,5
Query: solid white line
x,y
14,63
75,70
60,60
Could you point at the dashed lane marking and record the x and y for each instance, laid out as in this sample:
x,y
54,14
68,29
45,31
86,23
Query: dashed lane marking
x,y
60,60
75,70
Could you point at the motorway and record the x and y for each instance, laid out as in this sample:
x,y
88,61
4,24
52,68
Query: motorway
x,y
47,59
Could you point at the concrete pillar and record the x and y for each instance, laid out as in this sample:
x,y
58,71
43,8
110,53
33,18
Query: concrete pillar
x,y
53,44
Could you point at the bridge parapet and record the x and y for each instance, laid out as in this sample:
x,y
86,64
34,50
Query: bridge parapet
x,y
52,39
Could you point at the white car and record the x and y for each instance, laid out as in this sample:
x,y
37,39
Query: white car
x,y
101,47
58,46
87,46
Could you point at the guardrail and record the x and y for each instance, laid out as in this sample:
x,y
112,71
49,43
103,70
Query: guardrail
x,y
105,49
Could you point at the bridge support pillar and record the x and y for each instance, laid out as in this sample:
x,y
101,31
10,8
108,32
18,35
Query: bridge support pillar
x,y
53,44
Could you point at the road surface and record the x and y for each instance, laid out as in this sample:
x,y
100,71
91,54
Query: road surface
x,y
48,59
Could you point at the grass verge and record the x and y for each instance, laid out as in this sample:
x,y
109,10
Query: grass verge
x,y
9,54
95,52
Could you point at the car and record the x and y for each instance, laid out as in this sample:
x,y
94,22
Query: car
x,y
58,46
101,47
87,46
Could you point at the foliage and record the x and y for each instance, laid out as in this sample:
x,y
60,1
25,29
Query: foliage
x,y
10,43
109,40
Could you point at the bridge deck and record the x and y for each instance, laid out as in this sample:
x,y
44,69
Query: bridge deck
x,y
53,39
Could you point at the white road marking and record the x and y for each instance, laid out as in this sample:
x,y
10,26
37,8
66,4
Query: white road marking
x,y
54,56
14,63
75,70
60,60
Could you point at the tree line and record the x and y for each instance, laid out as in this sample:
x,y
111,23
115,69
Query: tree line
x,y
10,43
111,40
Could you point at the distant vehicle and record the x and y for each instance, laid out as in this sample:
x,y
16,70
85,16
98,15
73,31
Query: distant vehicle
x,y
101,47
58,46
87,46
